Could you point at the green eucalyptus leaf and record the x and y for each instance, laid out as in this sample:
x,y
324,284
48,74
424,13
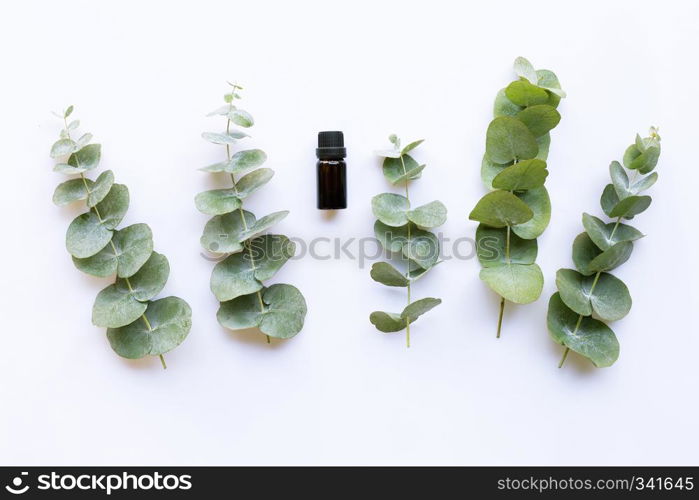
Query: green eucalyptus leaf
x,y
518,283
387,322
230,137
241,117
68,111
168,323
504,107
523,93
630,206
64,168
589,337
524,69
491,247
539,119
281,316
386,274
584,252
86,158
500,209
70,191
239,162
574,289
115,307
430,215
611,258
149,280
537,199
224,233
401,169
62,147
253,181
411,146
620,180
606,235
544,143
113,207
549,81
134,246
270,252
83,140
609,199
87,235
526,174
644,183
217,201
391,209
263,224
508,139
643,161
100,188
415,244
416,309
233,277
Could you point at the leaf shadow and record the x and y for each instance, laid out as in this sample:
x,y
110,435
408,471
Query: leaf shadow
x,y
254,337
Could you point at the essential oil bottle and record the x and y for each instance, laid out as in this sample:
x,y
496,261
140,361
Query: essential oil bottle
x,y
331,171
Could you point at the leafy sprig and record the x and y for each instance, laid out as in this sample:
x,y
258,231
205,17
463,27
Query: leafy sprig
x,y
402,231
589,296
517,209
137,326
251,257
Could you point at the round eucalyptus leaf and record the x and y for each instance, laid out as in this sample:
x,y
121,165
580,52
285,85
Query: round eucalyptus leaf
x,y
253,181
401,169
523,93
169,322
491,247
606,235
115,307
544,143
411,146
644,183
149,280
590,338
391,238
518,283
387,322
223,233
391,209
610,298
282,315
609,199
102,264
526,174
217,201
584,252
539,119
86,158
241,117
70,191
549,81
490,170
62,147
418,245
611,258
643,161
86,235
508,139
134,246
263,224
537,199
100,188
239,162
233,277
574,289
503,106
386,274
64,168
524,69
113,207
430,215
229,137
416,309
500,209
630,206
270,252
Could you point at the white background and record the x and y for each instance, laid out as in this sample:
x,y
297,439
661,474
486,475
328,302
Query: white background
x,y
142,76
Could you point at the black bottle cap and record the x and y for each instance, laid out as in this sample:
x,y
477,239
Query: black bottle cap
x,y
331,145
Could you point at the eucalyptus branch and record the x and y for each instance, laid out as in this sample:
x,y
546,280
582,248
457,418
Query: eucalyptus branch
x,y
589,296
517,209
137,326
402,232
251,257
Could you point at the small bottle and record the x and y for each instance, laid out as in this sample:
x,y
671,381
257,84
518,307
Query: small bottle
x,y
331,171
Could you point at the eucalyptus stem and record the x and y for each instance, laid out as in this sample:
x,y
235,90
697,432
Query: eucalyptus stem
x,y
407,272
565,356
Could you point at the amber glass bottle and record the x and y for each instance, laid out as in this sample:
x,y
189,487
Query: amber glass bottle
x,y
331,171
